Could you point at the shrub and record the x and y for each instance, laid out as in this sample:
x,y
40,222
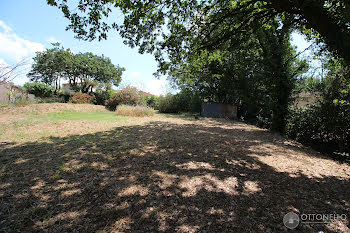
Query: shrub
x,y
22,100
64,94
195,103
127,96
40,89
169,104
324,126
102,96
184,101
303,123
82,98
150,101
135,111
51,100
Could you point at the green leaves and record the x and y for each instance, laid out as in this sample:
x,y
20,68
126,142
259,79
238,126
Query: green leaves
x,y
39,89
171,28
82,70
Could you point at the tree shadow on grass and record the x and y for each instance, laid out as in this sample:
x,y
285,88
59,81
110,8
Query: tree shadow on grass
x,y
159,177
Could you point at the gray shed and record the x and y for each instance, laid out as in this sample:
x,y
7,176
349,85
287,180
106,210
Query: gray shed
x,y
218,110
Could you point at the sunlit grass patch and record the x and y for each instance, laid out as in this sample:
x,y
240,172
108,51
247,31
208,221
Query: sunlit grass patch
x,y
77,116
19,123
134,111
22,135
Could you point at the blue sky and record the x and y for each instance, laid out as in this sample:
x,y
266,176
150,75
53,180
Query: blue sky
x,y
27,26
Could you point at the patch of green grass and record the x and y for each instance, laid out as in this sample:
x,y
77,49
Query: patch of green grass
x,y
22,135
76,116
56,176
18,124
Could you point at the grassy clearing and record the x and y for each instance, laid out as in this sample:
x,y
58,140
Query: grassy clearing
x,y
48,108
134,111
39,121
160,174
81,116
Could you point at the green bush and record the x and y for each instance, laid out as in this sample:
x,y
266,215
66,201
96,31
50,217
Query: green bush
x,y
102,96
40,89
195,103
64,94
126,96
324,124
150,101
184,101
82,98
169,104
304,124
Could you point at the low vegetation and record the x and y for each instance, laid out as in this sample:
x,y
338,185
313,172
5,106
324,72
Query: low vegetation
x,y
82,98
184,101
126,96
20,100
134,111
325,124
79,116
150,101
80,167
102,96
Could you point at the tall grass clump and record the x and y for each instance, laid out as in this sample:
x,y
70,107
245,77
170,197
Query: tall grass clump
x,y
21,100
134,111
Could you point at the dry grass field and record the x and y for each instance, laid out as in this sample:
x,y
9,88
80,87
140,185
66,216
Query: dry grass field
x,y
80,168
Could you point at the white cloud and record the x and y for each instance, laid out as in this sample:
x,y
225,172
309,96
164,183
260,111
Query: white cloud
x,y
52,39
13,47
156,86
151,85
3,63
5,27
135,74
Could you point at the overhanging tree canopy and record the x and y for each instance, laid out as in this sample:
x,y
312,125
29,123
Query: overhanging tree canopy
x,y
168,25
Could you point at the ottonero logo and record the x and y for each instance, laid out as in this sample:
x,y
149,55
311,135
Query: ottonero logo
x,y
291,220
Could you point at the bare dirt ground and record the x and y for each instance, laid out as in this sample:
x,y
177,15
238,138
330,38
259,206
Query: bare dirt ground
x,y
161,174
